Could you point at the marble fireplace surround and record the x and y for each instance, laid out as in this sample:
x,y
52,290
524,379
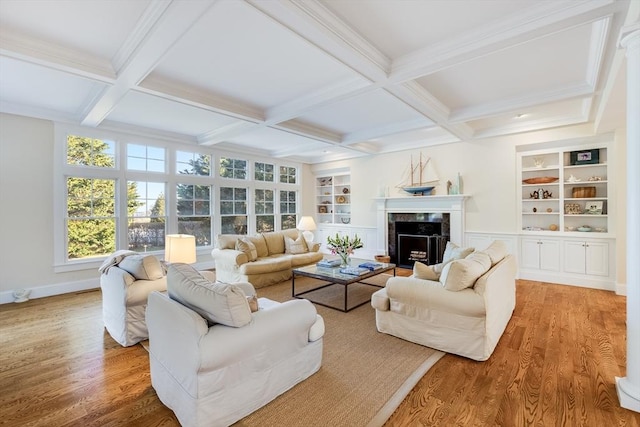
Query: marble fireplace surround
x,y
451,204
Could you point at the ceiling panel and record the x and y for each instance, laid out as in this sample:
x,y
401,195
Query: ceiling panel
x,y
238,52
158,113
30,85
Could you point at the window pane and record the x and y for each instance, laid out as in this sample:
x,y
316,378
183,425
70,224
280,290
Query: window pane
x,y
288,175
233,168
88,197
264,172
200,227
90,237
147,216
90,152
146,234
288,222
145,158
234,225
193,163
265,223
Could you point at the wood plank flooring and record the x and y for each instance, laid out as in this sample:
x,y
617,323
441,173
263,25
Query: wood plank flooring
x,y
554,366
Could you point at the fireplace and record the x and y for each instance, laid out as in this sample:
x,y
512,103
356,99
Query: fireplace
x,y
417,237
422,224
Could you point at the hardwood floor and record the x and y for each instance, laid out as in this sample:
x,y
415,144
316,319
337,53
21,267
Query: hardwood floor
x,y
555,365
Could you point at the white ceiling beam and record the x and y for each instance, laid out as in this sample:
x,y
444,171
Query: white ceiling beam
x,y
221,134
169,23
398,127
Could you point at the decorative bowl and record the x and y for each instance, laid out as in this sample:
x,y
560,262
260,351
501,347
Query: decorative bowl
x,y
345,220
584,228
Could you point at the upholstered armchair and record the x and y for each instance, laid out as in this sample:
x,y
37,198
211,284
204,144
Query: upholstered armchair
x,y
213,360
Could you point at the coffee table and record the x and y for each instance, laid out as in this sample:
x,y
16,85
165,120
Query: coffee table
x,y
332,276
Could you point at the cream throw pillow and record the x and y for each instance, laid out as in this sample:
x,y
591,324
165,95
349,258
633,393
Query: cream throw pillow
x,y
245,245
453,251
142,267
497,250
461,274
424,271
298,246
217,302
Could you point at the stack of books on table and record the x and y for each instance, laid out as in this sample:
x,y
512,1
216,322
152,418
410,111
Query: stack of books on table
x,y
370,265
329,263
354,271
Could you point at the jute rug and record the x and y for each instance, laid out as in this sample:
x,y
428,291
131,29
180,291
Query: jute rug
x,y
364,376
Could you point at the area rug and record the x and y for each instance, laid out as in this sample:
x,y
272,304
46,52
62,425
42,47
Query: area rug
x,y
364,376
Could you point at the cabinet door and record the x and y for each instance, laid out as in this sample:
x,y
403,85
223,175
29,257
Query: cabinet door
x,y
530,253
549,255
574,257
597,258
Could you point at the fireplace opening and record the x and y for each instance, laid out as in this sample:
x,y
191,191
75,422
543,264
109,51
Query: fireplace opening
x,y
417,237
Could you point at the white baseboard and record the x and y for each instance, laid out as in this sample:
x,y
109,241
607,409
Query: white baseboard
x,y
56,289
621,289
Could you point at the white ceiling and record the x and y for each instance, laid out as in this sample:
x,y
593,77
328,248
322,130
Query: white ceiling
x,y
316,80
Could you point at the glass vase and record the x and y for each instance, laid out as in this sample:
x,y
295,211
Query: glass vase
x,y
344,259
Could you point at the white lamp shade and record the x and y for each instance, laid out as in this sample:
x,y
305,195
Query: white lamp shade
x,y
306,223
180,248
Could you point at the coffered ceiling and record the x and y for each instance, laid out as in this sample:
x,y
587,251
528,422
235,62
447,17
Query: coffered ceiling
x,y
315,80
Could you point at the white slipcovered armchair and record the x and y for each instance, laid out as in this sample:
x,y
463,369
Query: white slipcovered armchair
x,y
213,360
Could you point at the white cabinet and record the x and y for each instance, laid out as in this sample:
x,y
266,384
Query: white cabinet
x,y
586,257
540,254
333,199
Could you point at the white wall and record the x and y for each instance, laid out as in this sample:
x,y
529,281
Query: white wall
x,y
26,167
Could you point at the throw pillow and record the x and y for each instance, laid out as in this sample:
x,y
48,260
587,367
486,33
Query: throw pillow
x,y
424,271
453,251
217,302
245,245
497,250
298,246
461,274
142,267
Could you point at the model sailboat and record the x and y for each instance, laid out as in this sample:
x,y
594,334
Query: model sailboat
x,y
421,178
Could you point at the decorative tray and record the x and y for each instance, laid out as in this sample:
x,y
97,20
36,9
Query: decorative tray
x,y
540,180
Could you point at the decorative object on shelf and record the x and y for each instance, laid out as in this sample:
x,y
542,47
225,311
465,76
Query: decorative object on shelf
x,y
341,199
345,190
595,178
540,180
573,179
535,209
593,208
322,209
382,258
307,225
538,162
601,230
345,220
420,179
570,228
553,227
584,157
325,181
343,246
541,194
583,192
584,228
572,208
549,210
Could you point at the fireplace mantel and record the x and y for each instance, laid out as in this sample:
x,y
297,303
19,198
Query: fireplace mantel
x,y
451,204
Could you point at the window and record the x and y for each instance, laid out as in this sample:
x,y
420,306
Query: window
x,y
288,209
233,168
84,151
288,175
188,163
264,209
146,227
91,217
194,212
264,172
145,158
233,210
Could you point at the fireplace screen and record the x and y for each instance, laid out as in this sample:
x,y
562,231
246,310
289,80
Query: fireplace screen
x,y
426,249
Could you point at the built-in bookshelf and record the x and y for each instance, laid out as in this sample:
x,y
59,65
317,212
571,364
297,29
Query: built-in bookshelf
x,y
333,199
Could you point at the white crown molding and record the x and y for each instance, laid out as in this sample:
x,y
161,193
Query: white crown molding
x,y
315,23
541,20
599,36
196,97
319,98
38,112
56,57
146,132
145,24
476,112
310,131
220,134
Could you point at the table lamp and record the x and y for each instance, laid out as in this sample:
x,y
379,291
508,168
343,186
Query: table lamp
x,y
307,225
180,248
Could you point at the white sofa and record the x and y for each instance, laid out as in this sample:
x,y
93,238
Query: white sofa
x,y
127,278
464,308
213,361
263,259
